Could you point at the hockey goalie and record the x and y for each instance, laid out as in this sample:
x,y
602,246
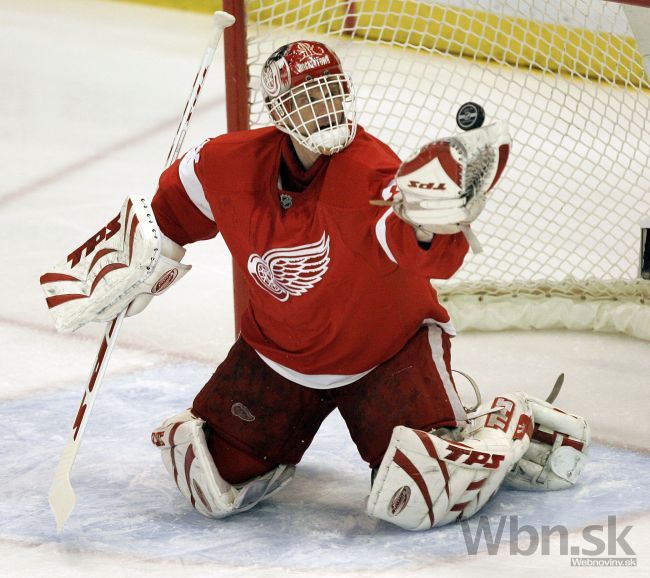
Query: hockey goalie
x,y
338,240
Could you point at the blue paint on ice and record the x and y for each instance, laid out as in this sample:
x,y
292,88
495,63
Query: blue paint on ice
x,y
126,503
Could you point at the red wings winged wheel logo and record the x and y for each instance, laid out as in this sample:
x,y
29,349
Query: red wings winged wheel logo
x,y
291,272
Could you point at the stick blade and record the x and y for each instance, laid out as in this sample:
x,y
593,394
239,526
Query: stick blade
x,y
62,501
556,389
62,497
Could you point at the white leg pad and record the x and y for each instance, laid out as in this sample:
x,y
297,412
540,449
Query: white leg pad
x,y
426,481
557,452
187,459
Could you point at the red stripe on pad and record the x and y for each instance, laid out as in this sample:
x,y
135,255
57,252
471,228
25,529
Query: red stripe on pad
x,y
129,205
172,433
99,255
201,495
134,227
54,277
189,458
549,438
407,465
61,299
504,151
105,271
476,485
460,507
431,449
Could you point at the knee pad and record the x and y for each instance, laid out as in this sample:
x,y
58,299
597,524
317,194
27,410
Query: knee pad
x,y
185,454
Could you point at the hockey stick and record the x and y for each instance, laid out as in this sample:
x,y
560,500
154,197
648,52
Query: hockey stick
x,y
62,496
222,20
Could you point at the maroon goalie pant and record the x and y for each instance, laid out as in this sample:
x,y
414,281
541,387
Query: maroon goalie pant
x,y
257,419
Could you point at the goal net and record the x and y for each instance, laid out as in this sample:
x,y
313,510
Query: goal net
x,y
561,234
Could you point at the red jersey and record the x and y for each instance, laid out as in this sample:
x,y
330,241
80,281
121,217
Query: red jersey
x,y
337,286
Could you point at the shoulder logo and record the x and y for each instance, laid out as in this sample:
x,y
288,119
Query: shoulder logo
x,y
291,272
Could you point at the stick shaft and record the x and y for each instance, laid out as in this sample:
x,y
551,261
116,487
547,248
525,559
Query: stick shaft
x,y
61,495
221,21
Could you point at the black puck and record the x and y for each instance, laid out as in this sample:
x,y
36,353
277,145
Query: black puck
x,y
469,116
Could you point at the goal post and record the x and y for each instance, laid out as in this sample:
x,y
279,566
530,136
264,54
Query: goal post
x,y
561,234
238,113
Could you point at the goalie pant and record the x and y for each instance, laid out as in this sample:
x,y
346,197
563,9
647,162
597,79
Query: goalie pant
x,y
250,425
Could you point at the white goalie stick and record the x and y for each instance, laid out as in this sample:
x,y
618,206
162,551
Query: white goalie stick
x,y
62,496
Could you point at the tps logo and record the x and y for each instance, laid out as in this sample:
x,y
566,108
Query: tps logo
x,y
473,457
88,247
427,186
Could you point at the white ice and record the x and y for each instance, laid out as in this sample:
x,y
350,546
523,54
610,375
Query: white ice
x,y
91,95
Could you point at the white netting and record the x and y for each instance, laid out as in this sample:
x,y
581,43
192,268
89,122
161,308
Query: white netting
x,y
567,77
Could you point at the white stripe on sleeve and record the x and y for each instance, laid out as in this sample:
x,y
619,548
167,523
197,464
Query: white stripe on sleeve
x,y
191,183
380,227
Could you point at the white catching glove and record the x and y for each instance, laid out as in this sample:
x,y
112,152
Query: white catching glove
x,y
444,186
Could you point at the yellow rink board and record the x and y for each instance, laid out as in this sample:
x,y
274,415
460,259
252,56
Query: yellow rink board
x,y
472,34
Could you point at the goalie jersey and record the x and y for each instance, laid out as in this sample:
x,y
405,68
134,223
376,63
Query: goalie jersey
x,y
336,286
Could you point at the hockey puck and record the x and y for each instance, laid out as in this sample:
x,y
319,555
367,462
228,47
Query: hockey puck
x,y
470,115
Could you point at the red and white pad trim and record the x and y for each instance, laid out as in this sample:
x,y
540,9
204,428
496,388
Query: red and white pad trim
x,y
187,458
125,264
447,182
426,481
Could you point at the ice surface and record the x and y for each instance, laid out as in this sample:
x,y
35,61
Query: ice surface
x,y
91,95
127,504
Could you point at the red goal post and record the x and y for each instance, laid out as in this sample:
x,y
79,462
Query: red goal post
x,y
561,235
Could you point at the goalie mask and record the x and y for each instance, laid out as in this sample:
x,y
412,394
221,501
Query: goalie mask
x,y
308,96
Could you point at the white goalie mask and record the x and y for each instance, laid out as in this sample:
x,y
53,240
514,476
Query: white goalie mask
x,y
308,96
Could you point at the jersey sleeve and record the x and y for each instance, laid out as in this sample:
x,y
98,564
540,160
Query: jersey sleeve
x,y
180,205
439,259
